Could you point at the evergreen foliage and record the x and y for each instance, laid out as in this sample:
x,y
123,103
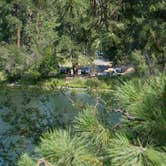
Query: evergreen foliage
x,y
131,32
37,36
146,101
124,153
61,148
138,138
25,160
89,126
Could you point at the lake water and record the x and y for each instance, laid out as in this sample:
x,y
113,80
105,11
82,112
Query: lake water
x,y
26,113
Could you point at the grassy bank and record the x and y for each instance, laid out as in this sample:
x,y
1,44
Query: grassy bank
x,y
100,83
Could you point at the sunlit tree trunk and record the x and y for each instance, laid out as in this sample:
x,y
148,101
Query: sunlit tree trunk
x,y
18,37
37,21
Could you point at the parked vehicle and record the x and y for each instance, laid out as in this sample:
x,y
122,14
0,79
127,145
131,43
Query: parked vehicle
x,y
86,70
103,74
119,70
110,72
65,70
107,74
101,68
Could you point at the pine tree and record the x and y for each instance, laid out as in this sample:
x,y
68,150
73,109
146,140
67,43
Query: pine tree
x,y
138,139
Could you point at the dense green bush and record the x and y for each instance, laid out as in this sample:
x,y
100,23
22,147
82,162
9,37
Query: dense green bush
x,y
13,61
30,77
139,62
77,82
2,76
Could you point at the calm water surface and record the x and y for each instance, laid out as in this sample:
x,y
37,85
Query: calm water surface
x,y
26,113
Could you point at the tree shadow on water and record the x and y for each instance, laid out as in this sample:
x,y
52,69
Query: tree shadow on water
x,y
26,114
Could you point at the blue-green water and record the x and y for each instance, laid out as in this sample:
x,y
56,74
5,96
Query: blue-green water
x,y
26,113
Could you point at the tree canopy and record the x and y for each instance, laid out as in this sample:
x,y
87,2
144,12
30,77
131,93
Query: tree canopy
x,y
127,32
36,36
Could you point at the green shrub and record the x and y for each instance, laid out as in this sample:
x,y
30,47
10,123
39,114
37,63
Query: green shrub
x,y
138,60
93,83
30,76
3,76
12,61
77,82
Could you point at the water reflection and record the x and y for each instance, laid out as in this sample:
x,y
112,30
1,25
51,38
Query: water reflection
x,y
27,113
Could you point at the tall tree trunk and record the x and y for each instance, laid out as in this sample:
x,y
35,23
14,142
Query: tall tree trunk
x,y
18,37
71,6
37,21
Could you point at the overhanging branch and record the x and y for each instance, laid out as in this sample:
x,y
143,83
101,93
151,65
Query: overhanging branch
x,y
129,117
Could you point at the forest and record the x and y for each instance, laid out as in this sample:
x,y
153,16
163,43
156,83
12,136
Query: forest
x,y
50,119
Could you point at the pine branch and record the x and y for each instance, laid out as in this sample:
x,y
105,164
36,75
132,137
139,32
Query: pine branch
x,y
104,158
129,117
43,162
